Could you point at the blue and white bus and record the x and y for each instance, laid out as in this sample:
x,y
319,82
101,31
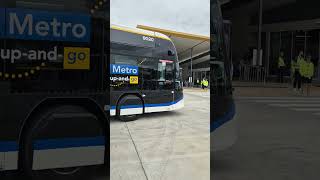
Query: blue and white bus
x,y
223,110
144,73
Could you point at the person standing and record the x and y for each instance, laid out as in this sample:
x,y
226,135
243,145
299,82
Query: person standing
x,y
307,72
206,83
296,70
281,66
202,83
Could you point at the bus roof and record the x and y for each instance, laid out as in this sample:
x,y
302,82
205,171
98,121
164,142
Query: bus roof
x,y
141,32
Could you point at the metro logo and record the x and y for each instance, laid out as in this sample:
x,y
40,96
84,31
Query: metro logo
x,y
41,25
123,69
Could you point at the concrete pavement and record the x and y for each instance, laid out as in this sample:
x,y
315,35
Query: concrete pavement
x,y
275,141
164,146
270,89
273,91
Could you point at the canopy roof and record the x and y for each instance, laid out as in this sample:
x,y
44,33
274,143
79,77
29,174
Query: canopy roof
x,y
184,42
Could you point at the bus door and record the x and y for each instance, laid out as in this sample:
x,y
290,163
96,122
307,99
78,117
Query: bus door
x,y
166,83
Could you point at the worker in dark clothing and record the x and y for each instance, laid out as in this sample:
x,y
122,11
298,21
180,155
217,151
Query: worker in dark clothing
x,y
296,70
281,66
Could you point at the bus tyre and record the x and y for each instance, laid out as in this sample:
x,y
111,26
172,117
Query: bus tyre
x,y
39,123
128,118
130,98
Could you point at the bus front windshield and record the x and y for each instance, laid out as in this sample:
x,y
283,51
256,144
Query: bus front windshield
x,y
157,73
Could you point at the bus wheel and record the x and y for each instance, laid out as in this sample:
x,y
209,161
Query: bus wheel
x,y
128,118
41,127
132,99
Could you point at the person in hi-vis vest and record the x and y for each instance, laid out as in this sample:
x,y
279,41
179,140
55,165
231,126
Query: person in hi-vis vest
x,y
307,72
281,67
204,83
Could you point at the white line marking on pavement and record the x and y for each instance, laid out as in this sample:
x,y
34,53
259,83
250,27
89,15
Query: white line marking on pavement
x,y
300,104
286,101
296,105
306,109
278,98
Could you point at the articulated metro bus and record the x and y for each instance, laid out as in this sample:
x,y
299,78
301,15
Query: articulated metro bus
x,y
144,73
222,126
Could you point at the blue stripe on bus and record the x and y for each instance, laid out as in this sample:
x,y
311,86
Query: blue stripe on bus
x,y
11,146
223,119
147,105
8,146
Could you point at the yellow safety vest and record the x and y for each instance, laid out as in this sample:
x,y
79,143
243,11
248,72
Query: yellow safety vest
x,y
301,63
206,83
281,62
307,70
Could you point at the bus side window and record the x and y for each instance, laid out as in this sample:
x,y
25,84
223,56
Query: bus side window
x,y
149,73
127,60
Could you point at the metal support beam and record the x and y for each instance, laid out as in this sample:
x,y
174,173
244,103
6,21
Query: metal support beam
x,y
318,76
305,44
280,42
267,63
291,51
191,58
259,29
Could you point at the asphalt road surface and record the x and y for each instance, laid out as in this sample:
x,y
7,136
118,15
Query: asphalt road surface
x,y
278,139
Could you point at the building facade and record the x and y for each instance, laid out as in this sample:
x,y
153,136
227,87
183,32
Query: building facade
x,y
286,27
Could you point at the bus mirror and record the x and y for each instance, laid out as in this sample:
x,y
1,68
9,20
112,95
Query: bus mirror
x,y
170,53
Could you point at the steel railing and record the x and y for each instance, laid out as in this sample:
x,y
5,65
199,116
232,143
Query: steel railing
x,y
251,73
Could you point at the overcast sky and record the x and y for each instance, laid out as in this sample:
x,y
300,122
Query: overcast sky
x,y
178,15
